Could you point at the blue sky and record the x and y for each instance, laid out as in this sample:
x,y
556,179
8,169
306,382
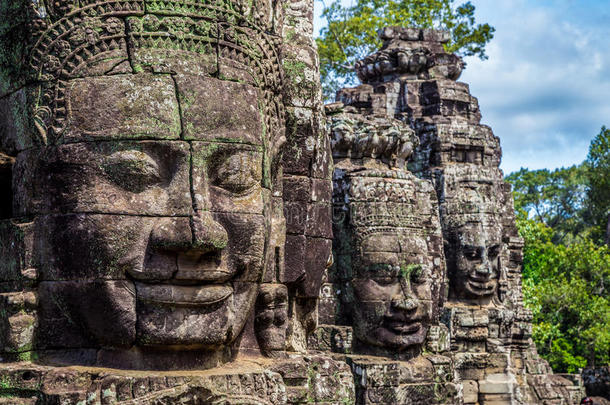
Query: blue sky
x,y
545,89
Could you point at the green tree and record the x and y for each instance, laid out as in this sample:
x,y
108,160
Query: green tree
x,y
566,287
351,33
597,205
563,217
554,198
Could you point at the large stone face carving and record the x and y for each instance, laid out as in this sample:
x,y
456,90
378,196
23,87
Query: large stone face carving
x,y
171,256
393,293
474,242
475,263
144,141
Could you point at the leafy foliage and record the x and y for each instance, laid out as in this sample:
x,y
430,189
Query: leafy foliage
x,y
351,33
597,207
554,198
562,216
566,287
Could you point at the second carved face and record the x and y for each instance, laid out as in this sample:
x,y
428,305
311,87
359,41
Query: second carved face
x,y
393,264
474,263
393,289
167,234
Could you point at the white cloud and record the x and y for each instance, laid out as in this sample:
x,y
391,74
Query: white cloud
x,y
544,89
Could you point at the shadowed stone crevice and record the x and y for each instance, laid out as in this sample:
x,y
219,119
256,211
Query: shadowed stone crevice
x,y
6,184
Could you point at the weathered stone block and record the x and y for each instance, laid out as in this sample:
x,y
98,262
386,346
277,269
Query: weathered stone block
x,y
471,391
219,110
297,188
17,260
17,125
302,133
317,254
122,107
319,220
295,258
497,384
17,324
295,213
302,75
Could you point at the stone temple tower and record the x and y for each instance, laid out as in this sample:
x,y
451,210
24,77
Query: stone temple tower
x,y
483,328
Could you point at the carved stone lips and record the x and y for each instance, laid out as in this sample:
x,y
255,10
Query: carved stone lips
x,y
482,285
202,267
402,327
179,295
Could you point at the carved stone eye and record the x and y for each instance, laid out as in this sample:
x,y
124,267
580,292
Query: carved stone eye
x,y
494,251
386,281
132,170
417,274
238,172
472,253
412,272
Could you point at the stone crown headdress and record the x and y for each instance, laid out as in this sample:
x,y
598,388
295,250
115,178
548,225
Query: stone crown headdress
x,y
358,137
71,38
403,54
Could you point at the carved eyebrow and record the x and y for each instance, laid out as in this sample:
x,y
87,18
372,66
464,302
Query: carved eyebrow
x,y
132,169
131,160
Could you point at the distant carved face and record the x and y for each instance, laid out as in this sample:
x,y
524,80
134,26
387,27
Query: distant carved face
x,y
271,317
393,288
172,229
475,266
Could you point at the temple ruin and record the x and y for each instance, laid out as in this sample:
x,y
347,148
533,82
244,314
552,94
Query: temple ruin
x,y
184,222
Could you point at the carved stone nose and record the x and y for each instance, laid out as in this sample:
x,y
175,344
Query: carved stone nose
x,y
484,269
208,235
404,303
171,234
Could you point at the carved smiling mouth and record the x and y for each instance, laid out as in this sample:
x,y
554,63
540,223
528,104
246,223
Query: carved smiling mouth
x,y
181,295
203,267
200,280
481,285
402,327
